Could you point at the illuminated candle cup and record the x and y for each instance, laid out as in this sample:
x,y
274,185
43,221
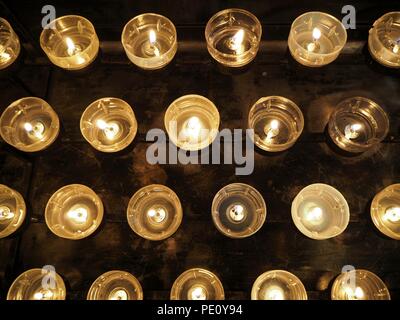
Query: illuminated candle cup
x,y
358,124
385,211
115,285
359,285
384,40
192,122
154,212
74,212
109,124
277,123
70,42
12,211
233,37
278,285
238,210
320,211
9,44
150,41
316,39
30,286
29,124
197,284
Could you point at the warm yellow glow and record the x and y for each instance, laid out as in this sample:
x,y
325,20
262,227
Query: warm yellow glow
x,y
316,34
111,129
272,129
274,293
118,294
78,215
198,293
36,130
71,48
5,213
152,37
42,295
356,294
237,212
315,215
193,127
396,48
352,131
158,215
392,214
237,41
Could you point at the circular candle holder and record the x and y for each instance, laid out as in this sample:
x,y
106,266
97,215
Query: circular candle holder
x,y
115,285
384,40
150,41
233,37
70,42
29,124
320,211
74,212
154,212
357,124
316,39
359,285
385,211
192,122
277,123
30,286
12,211
238,210
9,44
197,284
109,124
278,285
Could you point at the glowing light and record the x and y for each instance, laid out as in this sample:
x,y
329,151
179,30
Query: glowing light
x,y
36,131
237,212
236,42
78,215
111,129
43,295
356,294
274,293
5,213
118,294
152,37
193,128
315,215
352,131
316,34
272,129
71,48
157,215
392,214
198,293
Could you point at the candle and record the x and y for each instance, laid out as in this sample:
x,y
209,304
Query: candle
x,y
316,39
384,40
71,42
9,44
192,122
233,37
238,210
115,285
277,123
154,212
74,212
385,211
12,211
359,285
30,286
150,41
109,124
320,211
358,124
29,124
197,284
278,285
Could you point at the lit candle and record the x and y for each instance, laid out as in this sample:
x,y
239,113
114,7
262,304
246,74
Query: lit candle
x,y
118,294
5,213
274,293
43,294
314,45
392,214
352,131
236,42
153,46
237,213
315,215
157,214
35,131
197,293
354,294
12,211
78,214
111,129
271,130
192,130
9,44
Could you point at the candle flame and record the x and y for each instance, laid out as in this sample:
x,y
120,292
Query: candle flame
x,y
316,33
5,213
152,37
392,214
315,214
42,295
37,130
198,294
274,293
78,215
237,41
71,48
396,48
357,293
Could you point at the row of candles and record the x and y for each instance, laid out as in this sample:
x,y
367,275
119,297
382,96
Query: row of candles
x,y
192,122
200,284
232,35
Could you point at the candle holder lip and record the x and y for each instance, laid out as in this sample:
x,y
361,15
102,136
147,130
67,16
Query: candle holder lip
x,y
134,208
292,280
260,212
38,274
376,216
39,145
106,278
120,145
12,36
197,273
76,189
20,208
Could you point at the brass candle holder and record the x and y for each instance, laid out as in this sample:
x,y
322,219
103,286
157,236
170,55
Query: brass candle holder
x,y
150,41
70,42
12,211
278,285
320,211
29,124
154,212
29,286
115,285
9,44
385,211
233,37
238,210
192,122
109,124
359,285
384,40
74,212
197,284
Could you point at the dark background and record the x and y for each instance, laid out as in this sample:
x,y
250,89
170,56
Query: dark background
x,y
279,177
